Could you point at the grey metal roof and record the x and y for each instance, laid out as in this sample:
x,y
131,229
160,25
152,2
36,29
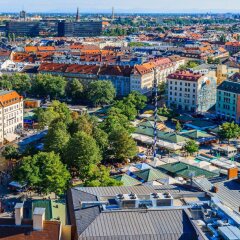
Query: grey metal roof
x,y
229,86
203,184
83,217
139,225
229,193
93,224
139,190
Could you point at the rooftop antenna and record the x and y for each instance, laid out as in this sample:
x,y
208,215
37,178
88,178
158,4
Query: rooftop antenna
x,y
155,114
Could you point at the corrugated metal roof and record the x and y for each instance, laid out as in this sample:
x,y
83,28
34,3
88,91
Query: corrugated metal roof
x,y
167,224
139,190
229,193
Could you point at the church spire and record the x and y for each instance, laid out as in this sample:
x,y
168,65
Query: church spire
x,y
77,15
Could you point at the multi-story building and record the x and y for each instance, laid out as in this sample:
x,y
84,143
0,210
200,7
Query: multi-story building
x,y
79,29
142,79
228,99
11,114
22,28
190,91
232,47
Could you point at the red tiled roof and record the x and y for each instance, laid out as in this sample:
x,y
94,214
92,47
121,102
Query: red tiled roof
x,y
185,75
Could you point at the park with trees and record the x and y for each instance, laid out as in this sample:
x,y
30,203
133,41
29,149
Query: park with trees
x,y
79,145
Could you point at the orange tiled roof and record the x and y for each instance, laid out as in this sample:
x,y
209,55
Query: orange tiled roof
x,y
8,98
46,48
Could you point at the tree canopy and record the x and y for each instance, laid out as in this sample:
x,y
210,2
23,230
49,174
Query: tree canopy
x,y
98,176
229,130
101,92
82,151
191,147
43,172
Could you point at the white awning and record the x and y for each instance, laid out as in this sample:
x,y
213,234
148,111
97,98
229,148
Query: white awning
x,y
10,137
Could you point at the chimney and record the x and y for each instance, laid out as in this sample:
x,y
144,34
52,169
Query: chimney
x,y
18,213
232,173
38,218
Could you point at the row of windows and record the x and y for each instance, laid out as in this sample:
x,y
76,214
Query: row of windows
x,y
180,89
181,83
180,100
186,95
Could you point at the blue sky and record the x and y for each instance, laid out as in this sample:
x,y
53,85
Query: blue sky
x,y
121,5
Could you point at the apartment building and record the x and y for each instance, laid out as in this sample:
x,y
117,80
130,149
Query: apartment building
x,y
232,47
142,79
11,115
228,99
189,91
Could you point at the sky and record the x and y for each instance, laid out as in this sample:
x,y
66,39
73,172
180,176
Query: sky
x,y
132,6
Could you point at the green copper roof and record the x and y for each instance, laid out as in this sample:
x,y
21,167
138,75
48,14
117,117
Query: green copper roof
x,y
148,175
195,134
146,124
165,136
126,180
159,118
185,170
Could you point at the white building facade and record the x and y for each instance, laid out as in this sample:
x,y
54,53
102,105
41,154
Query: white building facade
x,y
192,92
11,115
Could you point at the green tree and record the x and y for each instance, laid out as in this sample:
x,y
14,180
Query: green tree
x,y
74,90
116,119
101,139
43,172
81,151
101,92
82,123
191,147
20,83
137,99
99,176
127,108
10,152
178,126
122,146
5,82
57,138
45,85
229,130
162,86
56,110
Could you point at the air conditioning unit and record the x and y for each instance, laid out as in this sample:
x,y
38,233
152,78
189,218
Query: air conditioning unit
x,y
161,199
127,200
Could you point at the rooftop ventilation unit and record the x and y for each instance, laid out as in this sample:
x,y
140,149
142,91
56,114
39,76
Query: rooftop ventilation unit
x,y
127,200
161,199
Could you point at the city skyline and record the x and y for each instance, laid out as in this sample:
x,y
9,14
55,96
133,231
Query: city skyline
x,y
152,6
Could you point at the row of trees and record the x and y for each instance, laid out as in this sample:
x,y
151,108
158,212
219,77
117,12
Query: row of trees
x,y
80,146
56,87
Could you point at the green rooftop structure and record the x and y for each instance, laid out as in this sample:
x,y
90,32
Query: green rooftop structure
x,y
171,137
184,118
159,118
149,175
54,209
146,124
126,180
201,124
180,169
198,135
43,204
